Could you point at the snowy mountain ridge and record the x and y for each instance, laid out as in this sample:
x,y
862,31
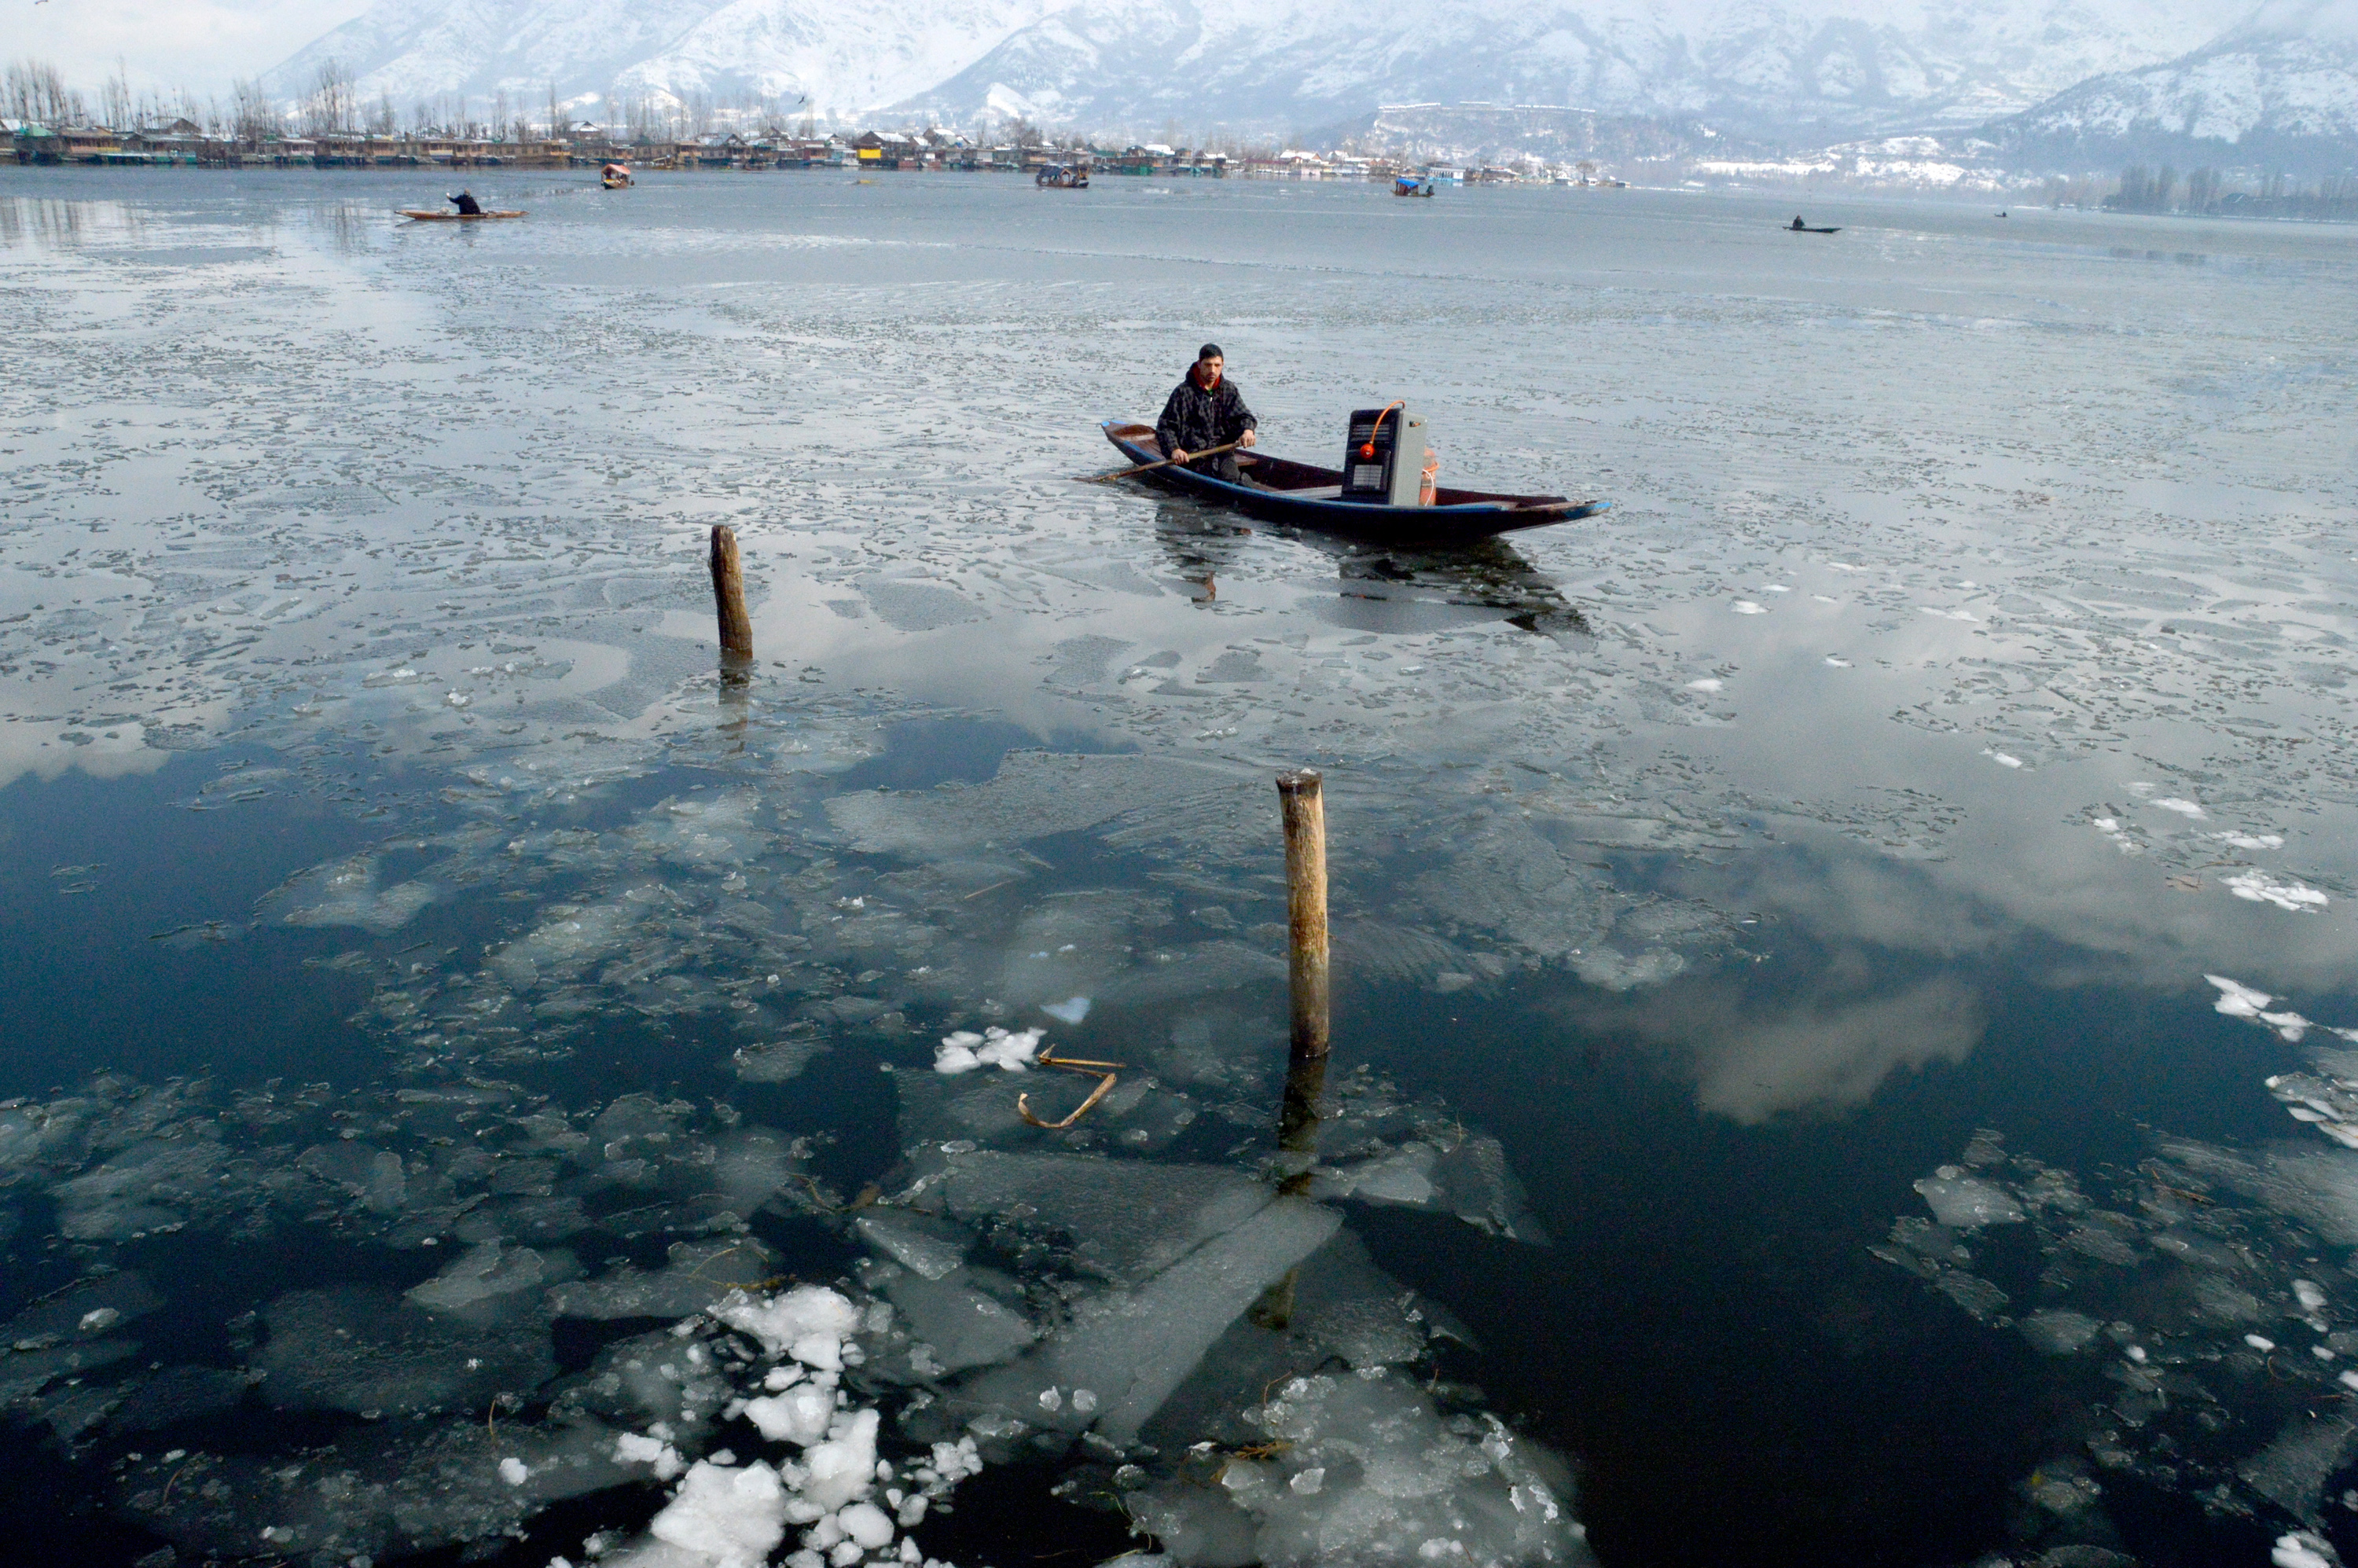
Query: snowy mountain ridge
x,y
2281,86
1264,65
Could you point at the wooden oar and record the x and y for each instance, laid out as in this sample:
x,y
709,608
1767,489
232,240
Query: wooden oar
x,y
1125,474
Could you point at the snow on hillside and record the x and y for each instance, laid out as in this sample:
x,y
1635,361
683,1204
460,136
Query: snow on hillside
x,y
1805,67
1767,67
2280,88
846,61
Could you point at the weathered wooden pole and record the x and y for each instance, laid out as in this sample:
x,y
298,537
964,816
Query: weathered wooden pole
x,y
729,595
1299,794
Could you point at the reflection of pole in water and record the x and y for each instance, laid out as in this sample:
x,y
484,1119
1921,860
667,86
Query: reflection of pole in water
x,y
1301,797
728,602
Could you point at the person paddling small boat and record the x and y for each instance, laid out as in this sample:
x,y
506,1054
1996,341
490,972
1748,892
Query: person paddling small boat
x,y
468,206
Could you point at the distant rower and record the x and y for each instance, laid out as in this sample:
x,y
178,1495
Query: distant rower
x,y
1206,410
471,208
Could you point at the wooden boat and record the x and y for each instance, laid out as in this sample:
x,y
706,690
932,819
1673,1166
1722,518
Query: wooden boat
x,y
1061,179
1798,227
1411,184
614,176
457,217
1279,491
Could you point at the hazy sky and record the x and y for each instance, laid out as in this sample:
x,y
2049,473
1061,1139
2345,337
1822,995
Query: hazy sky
x,y
199,44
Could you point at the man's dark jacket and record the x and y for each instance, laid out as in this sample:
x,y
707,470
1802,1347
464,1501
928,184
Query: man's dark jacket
x,y
1194,418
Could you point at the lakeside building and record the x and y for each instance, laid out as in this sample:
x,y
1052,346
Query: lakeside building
x,y
184,142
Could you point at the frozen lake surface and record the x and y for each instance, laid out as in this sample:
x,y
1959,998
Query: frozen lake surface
x,y
1847,1027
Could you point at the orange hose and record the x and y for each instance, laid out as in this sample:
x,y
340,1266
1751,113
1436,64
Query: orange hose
x,y
1367,449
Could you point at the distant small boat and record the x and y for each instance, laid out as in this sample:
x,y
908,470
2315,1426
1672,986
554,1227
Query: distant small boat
x,y
1061,179
1411,184
1798,227
457,217
614,176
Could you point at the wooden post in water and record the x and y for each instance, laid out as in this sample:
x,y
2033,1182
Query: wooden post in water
x,y
1299,794
728,596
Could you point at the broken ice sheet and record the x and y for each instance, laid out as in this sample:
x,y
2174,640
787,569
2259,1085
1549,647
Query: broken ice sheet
x,y
1364,1468
348,893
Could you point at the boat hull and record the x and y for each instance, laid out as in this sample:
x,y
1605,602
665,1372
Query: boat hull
x,y
1456,515
455,217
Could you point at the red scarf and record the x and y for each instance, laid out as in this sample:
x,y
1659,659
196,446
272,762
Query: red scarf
x,y
1196,374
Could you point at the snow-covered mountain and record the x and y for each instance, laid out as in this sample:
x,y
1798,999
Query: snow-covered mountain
x,y
1802,68
2280,90
844,59
1772,66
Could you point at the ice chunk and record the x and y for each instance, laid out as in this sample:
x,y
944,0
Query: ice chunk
x,y
2261,888
1133,1347
866,1524
965,1326
843,1469
800,1415
2291,1471
696,1273
1363,1469
2057,1332
346,892
732,1518
2238,1000
1127,1218
2302,1549
1965,1204
802,1315
634,1448
919,1242
359,1348
965,1051
89,1309
1405,1177
776,1061
1068,1012
474,1282
373,1175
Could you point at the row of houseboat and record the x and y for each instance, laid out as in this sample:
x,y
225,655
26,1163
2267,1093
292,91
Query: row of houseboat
x,y
183,141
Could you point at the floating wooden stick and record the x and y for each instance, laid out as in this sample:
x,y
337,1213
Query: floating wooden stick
x,y
1299,794
1071,1064
728,594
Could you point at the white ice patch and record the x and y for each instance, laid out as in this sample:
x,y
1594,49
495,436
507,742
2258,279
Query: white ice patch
x,y
965,1051
514,1471
2183,807
632,1448
2238,1000
843,1469
1707,684
2261,888
1950,614
733,1519
1837,662
2003,760
1964,1203
2302,1549
799,1416
787,1324
2251,840
1746,607
1071,1010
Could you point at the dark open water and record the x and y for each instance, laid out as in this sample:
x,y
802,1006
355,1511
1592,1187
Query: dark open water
x,y
1776,1075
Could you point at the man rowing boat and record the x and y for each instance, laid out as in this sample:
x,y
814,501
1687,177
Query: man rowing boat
x,y
468,206
1205,410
